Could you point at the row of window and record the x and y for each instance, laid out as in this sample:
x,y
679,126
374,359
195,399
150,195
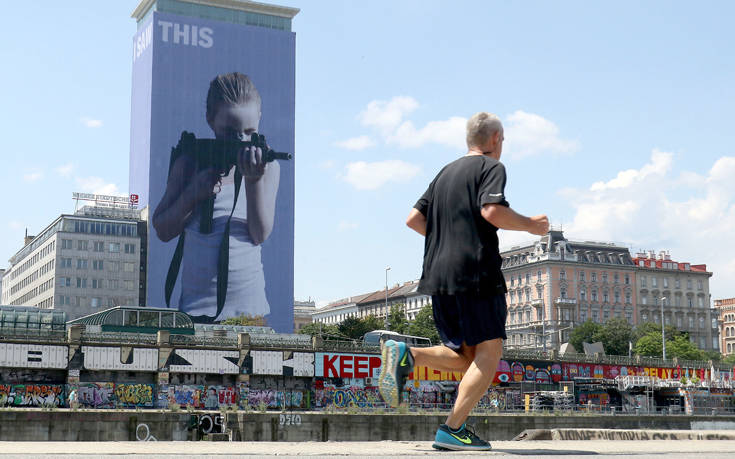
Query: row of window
x,y
48,249
691,321
97,246
665,282
563,276
595,315
108,229
98,265
665,265
83,282
25,282
729,331
729,317
95,301
677,300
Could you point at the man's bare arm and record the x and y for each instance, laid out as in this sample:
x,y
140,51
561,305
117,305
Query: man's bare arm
x,y
417,222
508,219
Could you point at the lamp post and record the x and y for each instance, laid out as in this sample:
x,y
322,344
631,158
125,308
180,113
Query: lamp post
x,y
663,331
387,268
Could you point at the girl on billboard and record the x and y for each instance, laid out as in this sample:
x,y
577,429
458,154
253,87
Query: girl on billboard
x,y
222,273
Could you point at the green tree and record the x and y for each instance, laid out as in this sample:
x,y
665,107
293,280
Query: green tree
x,y
649,345
326,331
245,320
423,325
355,328
729,359
587,332
615,336
711,355
650,327
682,348
397,319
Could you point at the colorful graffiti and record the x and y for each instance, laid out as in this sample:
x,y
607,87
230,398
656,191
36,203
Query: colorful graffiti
x,y
97,395
277,399
134,395
359,397
186,395
31,395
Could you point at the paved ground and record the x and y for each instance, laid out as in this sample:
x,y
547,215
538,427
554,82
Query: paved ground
x,y
567,449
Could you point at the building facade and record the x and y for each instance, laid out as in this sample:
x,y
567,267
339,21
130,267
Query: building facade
x,y
302,311
680,292
555,284
374,304
81,263
726,317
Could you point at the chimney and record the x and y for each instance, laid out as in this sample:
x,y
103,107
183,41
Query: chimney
x,y
27,239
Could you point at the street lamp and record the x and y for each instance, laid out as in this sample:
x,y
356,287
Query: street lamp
x,y
387,268
663,331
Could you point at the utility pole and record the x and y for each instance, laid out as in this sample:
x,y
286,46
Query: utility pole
x,y
387,324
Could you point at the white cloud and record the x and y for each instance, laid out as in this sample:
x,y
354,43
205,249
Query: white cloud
x,y
449,132
327,164
639,206
386,116
15,224
33,176
346,226
528,134
371,176
97,185
65,170
356,143
90,122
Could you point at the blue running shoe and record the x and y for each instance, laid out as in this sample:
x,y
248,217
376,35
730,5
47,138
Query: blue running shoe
x,y
396,366
463,439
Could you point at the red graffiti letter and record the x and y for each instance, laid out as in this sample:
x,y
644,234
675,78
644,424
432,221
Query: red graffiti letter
x,y
345,366
361,364
329,366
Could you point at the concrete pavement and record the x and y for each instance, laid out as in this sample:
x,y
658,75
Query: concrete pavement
x,y
153,449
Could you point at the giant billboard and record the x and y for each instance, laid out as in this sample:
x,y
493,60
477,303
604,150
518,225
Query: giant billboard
x,y
212,144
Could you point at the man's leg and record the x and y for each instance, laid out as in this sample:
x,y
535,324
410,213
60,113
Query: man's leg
x,y
476,381
443,358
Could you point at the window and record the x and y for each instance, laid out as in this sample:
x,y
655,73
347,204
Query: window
x,y
678,300
95,302
644,299
677,283
538,276
605,296
81,263
689,284
679,322
528,316
628,299
563,293
64,300
667,320
98,246
129,248
81,282
114,247
629,315
581,276
690,301
606,315
97,265
617,296
512,281
114,266
604,278
583,315
702,342
129,285
66,244
643,281
66,262
699,284
562,275
65,281
82,245
700,302
594,277
654,281
617,278
129,267
566,314
666,282
528,278
595,316
644,317
594,294
627,279
96,283
714,322
582,294
691,322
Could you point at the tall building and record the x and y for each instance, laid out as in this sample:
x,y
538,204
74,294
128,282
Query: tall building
x,y
302,311
555,284
681,291
81,263
726,317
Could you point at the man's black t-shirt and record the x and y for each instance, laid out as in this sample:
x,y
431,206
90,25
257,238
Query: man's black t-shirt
x,y
461,252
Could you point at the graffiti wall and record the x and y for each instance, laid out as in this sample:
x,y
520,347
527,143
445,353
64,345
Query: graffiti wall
x,y
32,395
96,395
347,397
134,395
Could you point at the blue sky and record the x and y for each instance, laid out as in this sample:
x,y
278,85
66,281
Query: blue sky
x,y
619,122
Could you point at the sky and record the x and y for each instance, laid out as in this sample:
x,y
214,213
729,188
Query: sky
x,y
618,123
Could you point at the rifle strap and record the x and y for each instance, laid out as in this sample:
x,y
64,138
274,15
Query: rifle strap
x,y
223,263
173,269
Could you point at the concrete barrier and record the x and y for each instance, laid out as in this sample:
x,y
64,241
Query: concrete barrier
x,y
151,425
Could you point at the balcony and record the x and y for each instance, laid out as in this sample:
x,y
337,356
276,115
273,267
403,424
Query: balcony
x,y
566,301
537,303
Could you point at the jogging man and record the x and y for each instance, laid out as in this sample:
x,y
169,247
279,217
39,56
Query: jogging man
x,y
459,215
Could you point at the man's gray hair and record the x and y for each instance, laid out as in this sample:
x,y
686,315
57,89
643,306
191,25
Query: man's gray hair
x,y
481,127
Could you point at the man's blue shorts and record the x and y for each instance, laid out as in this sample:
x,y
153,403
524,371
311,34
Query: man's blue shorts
x,y
469,318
